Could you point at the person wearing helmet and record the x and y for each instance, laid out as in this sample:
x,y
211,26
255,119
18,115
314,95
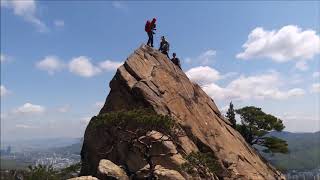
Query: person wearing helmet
x,y
176,60
164,46
150,27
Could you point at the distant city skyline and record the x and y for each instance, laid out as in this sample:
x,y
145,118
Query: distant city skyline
x,y
57,58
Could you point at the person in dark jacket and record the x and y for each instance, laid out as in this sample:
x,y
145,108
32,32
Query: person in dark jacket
x,y
176,60
150,27
164,46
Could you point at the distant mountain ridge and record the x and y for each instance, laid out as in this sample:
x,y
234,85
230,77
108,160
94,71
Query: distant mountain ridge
x,y
304,151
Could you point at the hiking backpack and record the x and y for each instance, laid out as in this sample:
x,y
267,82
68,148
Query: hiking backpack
x,y
147,26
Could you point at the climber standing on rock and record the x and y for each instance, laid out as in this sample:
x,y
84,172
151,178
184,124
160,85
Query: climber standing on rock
x,y
150,27
164,46
176,60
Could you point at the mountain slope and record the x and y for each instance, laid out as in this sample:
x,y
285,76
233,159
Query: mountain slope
x,y
149,80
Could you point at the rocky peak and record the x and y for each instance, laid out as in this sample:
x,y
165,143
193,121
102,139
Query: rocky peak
x,y
148,79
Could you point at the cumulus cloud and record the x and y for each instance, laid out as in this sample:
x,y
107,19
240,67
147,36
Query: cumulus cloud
x,y
3,91
203,74
109,65
288,43
51,64
264,86
315,88
29,108
59,23
25,9
82,66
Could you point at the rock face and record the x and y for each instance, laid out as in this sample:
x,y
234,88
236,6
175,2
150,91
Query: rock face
x,y
148,79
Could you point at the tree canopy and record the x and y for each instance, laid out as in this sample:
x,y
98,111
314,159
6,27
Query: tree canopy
x,y
256,124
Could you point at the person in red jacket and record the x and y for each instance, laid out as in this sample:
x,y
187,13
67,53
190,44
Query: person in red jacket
x,y
150,27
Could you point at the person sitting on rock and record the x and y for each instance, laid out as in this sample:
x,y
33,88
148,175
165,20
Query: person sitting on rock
x,y
150,27
164,46
176,60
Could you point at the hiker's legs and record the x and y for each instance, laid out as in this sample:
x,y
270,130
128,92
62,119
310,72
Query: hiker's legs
x,y
149,38
166,53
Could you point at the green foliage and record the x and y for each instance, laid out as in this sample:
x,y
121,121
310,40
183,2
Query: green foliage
x,y
202,162
44,172
141,118
274,145
68,172
255,125
41,172
231,115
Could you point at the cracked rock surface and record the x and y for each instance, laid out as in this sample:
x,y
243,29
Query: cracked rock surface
x,y
149,79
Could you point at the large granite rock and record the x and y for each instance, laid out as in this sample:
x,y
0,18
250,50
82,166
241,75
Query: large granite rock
x,y
84,178
108,170
149,79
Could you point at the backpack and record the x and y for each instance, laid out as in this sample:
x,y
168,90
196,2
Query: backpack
x,y
147,26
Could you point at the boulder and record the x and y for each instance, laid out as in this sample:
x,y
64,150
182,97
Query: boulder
x,y
160,172
84,178
108,170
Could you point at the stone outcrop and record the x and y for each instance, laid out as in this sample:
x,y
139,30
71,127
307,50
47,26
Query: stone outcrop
x,y
108,170
84,178
148,79
160,173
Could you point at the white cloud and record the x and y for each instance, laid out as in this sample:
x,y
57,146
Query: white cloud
x,y
51,64
316,74
207,56
24,126
302,65
29,108
59,23
27,10
203,74
204,58
315,88
99,104
264,86
119,5
3,91
109,65
82,66
2,58
288,43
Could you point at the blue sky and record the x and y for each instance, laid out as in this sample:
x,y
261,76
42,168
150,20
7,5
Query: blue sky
x,y
57,58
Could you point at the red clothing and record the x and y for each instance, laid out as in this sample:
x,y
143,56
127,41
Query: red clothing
x,y
150,25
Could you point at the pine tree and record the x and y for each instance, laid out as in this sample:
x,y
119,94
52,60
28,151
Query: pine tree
x,y
231,115
255,126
